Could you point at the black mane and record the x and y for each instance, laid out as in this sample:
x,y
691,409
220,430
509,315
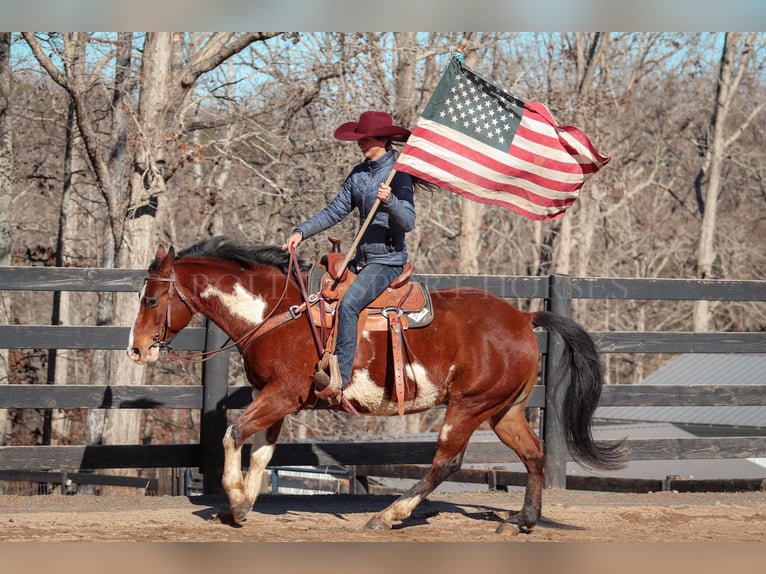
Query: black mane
x,y
222,247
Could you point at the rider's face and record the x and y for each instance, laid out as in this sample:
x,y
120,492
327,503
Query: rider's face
x,y
372,148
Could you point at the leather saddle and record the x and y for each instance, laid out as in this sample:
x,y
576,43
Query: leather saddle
x,y
405,304
410,299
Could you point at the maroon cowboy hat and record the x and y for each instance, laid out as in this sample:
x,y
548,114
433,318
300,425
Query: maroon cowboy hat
x,y
373,125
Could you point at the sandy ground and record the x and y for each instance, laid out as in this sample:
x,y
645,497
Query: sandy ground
x,y
568,516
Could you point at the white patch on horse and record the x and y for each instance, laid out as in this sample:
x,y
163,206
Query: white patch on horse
x,y
241,303
260,458
140,300
363,390
372,397
428,393
444,433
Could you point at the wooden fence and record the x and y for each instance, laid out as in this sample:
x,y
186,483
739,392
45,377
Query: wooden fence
x,y
215,397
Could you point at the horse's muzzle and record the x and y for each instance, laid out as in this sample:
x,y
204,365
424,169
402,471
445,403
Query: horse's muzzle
x,y
150,355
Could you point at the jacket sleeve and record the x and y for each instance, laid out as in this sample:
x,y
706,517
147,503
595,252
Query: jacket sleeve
x,y
401,206
335,211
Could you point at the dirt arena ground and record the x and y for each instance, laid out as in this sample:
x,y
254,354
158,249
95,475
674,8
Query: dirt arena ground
x,y
568,516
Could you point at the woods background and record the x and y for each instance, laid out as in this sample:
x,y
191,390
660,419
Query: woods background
x,y
111,143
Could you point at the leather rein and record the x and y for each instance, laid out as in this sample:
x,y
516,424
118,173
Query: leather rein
x,y
272,320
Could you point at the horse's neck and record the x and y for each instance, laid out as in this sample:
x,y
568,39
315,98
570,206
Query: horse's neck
x,y
236,301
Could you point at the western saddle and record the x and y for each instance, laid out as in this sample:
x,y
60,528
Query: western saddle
x,y
405,304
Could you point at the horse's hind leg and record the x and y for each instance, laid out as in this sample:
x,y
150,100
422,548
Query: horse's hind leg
x,y
512,427
453,439
242,491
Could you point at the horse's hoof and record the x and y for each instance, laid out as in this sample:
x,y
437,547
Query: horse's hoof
x,y
230,437
376,523
229,517
508,529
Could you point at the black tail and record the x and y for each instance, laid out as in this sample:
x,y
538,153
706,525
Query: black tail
x,y
582,362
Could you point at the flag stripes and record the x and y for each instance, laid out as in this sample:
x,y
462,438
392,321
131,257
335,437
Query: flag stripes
x,y
480,172
489,146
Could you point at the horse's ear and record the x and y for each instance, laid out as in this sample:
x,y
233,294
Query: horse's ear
x,y
163,258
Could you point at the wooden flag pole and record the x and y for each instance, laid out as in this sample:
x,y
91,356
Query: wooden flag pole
x,y
363,228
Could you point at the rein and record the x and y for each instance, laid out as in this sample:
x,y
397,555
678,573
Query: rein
x,y
269,323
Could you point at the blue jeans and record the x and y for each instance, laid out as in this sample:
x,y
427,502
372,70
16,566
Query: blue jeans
x,y
371,281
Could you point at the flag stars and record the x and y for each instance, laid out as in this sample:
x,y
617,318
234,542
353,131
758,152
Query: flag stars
x,y
478,109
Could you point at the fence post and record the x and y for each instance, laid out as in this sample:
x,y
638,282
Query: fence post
x,y
556,453
215,382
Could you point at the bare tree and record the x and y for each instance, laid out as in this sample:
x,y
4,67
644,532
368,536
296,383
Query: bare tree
x,y
158,123
471,211
6,197
736,55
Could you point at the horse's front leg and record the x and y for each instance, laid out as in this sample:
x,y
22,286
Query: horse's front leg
x,y
242,489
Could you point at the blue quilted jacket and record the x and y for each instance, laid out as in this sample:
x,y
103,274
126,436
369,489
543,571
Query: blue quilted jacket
x,y
383,242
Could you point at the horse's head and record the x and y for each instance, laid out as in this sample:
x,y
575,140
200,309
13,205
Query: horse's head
x,y
162,311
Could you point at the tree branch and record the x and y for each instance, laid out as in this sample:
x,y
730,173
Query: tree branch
x,y
45,61
217,51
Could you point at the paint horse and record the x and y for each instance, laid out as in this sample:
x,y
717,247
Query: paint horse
x,y
478,356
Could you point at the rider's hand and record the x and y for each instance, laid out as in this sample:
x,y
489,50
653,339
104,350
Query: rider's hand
x,y
384,193
292,241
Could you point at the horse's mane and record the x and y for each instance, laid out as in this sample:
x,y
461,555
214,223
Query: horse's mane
x,y
226,248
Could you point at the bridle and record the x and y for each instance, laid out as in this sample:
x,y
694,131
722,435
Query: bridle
x,y
161,340
271,321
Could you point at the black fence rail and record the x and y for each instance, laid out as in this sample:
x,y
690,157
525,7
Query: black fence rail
x,y
214,397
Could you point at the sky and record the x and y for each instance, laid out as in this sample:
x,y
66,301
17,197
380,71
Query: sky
x,y
385,15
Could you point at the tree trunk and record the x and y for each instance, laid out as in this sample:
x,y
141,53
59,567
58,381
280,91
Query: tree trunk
x,y
56,424
139,237
6,197
729,77
472,211
119,159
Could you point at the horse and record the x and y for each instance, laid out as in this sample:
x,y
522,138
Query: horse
x,y
478,356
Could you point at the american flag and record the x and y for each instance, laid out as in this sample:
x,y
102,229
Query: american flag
x,y
477,140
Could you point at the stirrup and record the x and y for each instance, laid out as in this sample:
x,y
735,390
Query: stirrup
x,y
329,387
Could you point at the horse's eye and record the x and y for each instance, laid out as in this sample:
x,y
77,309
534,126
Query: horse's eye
x,y
150,301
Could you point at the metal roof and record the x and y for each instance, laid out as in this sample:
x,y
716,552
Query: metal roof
x,y
701,369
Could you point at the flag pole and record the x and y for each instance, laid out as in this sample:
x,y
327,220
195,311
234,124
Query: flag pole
x,y
352,250
363,228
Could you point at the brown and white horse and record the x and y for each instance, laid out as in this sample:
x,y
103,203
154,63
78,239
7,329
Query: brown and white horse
x,y
479,357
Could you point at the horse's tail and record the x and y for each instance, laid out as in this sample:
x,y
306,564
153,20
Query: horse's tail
x,y
581,359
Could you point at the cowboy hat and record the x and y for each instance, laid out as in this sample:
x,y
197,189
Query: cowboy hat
x,y
372,125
